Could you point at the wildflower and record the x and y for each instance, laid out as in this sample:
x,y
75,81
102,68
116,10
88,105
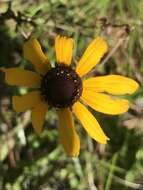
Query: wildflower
x,y
64,88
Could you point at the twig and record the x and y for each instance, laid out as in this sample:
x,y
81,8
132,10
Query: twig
x,y
113,50
122,36
18,17
90,175
14,130
128,183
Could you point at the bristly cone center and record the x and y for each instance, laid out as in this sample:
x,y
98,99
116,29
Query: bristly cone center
x,y
61,87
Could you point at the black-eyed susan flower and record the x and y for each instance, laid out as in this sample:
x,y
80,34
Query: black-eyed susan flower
x,y
63,88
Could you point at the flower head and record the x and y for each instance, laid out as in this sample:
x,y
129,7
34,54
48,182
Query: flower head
x,y
63,87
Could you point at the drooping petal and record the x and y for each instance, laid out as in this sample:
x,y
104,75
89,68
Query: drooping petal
x,y
104,103
33,53
27,101
38,116
64,49
67,132
89,123
113,84
92,55
21,77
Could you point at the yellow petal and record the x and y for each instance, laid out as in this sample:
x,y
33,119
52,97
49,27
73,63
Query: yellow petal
x,y
94,52
67,132
38,116
21,77
33,53
64,49
104,103
27,101
89,123
113,84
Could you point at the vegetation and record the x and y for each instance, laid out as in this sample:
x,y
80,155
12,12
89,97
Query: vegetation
x,y
39,163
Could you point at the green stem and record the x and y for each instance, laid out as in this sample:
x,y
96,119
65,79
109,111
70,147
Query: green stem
x,y
111,172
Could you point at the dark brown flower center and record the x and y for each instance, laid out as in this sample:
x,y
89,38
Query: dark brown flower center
x,y
61,87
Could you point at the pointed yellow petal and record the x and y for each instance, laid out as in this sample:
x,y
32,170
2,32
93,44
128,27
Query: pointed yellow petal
x,y
113,84
64,49
93,54
104,103
89,123
33,53
21,77
38,116
27,101
67,132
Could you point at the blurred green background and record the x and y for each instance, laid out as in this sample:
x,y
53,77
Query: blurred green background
x,y
28,162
